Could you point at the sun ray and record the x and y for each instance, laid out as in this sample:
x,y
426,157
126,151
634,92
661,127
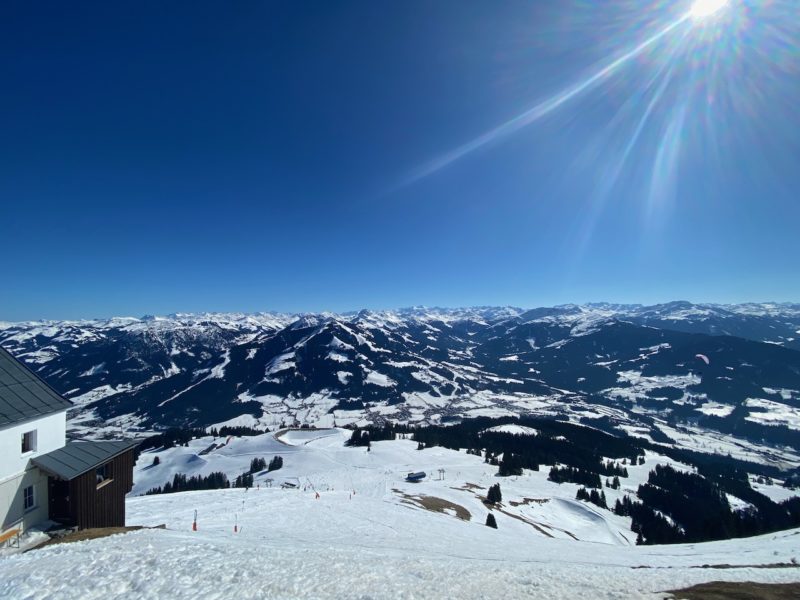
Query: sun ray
x,y
540,110
660,80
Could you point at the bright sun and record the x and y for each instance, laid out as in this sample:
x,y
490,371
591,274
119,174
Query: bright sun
x,y
705,8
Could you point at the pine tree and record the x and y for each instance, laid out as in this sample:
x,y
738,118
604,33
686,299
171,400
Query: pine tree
x,y
355,438
490,521
510,465
156,461
245,480
257,464
494,495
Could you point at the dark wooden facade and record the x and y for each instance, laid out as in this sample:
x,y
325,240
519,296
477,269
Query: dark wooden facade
x,y
83,502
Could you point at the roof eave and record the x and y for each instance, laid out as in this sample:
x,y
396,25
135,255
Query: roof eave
x,y
130,446
23,421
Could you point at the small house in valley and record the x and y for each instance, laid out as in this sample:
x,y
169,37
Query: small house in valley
x,y
42,476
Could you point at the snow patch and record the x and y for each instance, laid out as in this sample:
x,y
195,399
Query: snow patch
x,y
337,357
773,413
514,429
218,372
282,362
379,379
95,370
715,409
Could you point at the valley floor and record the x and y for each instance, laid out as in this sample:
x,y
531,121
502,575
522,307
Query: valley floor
x,y
389,539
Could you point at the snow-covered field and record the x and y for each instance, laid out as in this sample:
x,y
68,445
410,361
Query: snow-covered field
x,y
370,534
773,413
317,460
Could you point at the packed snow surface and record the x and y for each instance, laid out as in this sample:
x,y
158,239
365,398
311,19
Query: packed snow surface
x,y
353,528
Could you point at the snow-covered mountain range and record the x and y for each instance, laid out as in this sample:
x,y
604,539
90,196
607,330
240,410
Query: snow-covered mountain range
x,y
702,375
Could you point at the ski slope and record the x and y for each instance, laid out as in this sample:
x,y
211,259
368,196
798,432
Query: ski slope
x,y
318,460
370,534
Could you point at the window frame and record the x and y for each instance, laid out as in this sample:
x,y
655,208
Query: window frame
x,y
26,507
107,475
31,438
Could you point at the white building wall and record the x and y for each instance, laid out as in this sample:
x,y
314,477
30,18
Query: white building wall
x,y
12,510
51,434
17,472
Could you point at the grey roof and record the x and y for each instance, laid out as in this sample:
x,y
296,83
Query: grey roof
x,y
23,394
76,458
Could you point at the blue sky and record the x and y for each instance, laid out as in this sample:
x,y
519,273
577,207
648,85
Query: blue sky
x,y
190,156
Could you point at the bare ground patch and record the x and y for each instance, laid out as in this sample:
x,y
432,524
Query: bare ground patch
x,y
767,566
434,504
91,534
540,527
789,565
723,590
470,486
536,526
526,501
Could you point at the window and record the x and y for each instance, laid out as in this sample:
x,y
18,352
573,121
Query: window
x,y
103,474
29,441
28,500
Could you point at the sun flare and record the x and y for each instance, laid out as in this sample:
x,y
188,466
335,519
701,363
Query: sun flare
x,y
702,9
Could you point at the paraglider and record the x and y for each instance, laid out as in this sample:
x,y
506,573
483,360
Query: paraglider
x,y
706,361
